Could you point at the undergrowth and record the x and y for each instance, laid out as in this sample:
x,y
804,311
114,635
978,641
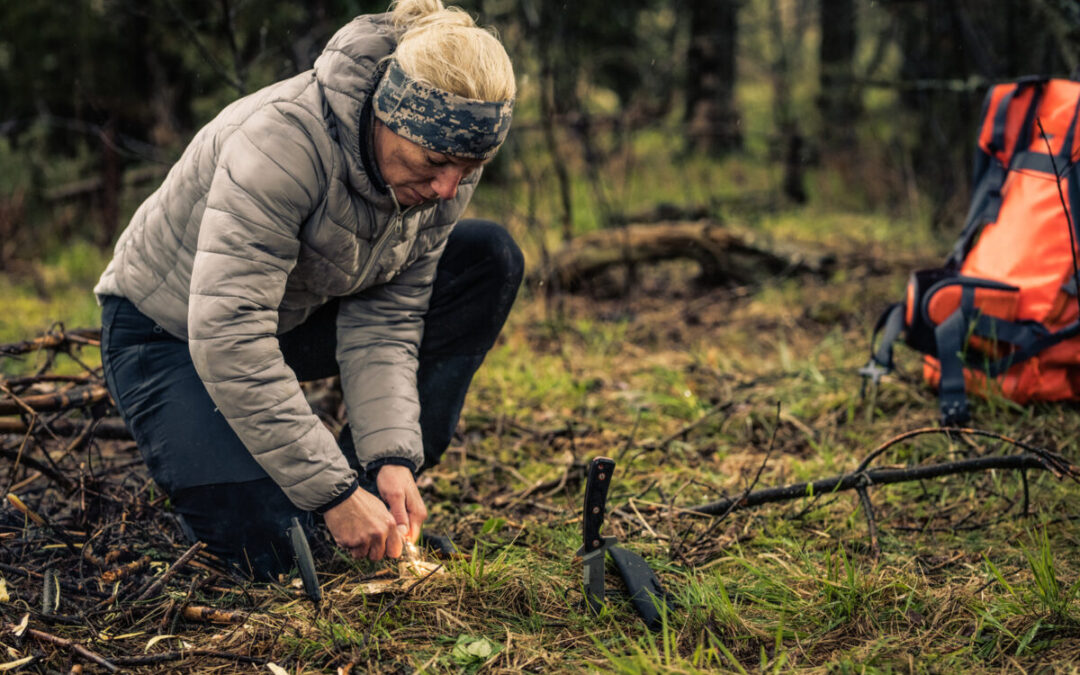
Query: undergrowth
x,y
697,393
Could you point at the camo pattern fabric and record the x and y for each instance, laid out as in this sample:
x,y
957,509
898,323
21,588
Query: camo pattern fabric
x,y
439,120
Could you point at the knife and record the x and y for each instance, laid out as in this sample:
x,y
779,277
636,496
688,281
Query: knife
x,y
594,545
646,593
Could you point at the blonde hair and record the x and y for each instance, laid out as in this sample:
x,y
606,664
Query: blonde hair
x,y
443,47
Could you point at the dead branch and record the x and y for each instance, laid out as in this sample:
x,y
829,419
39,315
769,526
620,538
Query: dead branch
x,y
725,256
80,397
55,340
204,614
42,636
859,479
124,571
34,464
109,428
165,657
180,562
41,521
20,382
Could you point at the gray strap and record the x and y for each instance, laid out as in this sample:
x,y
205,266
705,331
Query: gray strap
x,y
950,335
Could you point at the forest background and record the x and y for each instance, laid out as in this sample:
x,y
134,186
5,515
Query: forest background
x,y
823,129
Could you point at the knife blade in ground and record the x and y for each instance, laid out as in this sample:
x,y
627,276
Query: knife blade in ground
x,y
594,545
304,561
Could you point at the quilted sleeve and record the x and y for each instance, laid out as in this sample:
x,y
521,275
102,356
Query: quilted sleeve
x,y
268,179
379,334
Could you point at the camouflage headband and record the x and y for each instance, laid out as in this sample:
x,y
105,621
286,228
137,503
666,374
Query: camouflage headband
x,y
439,120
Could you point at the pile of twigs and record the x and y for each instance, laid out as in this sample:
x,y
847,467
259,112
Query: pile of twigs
x,y
88,554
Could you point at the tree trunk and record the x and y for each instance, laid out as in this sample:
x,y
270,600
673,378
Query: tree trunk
x,y
839,101
711,117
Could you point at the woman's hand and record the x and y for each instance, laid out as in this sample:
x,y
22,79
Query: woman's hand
x,y
362,526
398,489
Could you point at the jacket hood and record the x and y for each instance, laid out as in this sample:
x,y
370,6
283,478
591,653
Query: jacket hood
x,y
347,72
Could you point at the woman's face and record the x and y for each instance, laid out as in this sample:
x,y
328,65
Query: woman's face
x,y
417,174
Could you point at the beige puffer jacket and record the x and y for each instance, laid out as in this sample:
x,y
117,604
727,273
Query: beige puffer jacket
x,y
268,214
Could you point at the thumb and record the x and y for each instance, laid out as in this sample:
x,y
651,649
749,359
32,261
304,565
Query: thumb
x,y
398,511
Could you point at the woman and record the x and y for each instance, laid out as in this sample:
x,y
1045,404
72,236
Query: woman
x,y
309,230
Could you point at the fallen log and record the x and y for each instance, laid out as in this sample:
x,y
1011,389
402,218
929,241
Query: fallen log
x,y
725,256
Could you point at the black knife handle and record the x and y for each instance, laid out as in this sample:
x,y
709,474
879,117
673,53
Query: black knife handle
x,y
596,489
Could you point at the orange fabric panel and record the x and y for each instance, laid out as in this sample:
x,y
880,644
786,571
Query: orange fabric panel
x,y
995,302
1058,103
1031,220
1023,383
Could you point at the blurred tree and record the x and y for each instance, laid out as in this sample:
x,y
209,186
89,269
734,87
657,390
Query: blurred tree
x,y
948,46
711,116
839,101
119,82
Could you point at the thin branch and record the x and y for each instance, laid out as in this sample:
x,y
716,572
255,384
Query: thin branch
x,y
54,340
180,562
854,480
868,509
164,657
42,636
390,605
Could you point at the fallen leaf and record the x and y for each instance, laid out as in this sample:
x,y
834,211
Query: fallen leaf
x,y
156,639
276,669
4,597
21,628
473,650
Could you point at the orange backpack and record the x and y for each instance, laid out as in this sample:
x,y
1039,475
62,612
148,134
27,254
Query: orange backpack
x,y
1002,314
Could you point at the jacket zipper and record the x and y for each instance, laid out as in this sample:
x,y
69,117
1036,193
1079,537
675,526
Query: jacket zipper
x,y
380,244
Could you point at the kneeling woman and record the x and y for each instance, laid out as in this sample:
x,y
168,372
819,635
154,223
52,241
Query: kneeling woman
x,y
311,229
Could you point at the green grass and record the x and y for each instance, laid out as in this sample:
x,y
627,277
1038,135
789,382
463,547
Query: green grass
x,y
964,582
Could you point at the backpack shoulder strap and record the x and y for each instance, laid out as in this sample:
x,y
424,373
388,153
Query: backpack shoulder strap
x,y
986,197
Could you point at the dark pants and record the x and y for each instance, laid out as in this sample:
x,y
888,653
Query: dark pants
x,y
223,496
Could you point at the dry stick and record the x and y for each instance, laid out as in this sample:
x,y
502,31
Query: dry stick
x,y
630,438
183,654
67,586
111,428
180,562
1042,452
18,382
34,464
213,615
42,521
77,398
86,336
26,438
660,445
124,571
868,509
68,644
749,488
878,477
390,605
